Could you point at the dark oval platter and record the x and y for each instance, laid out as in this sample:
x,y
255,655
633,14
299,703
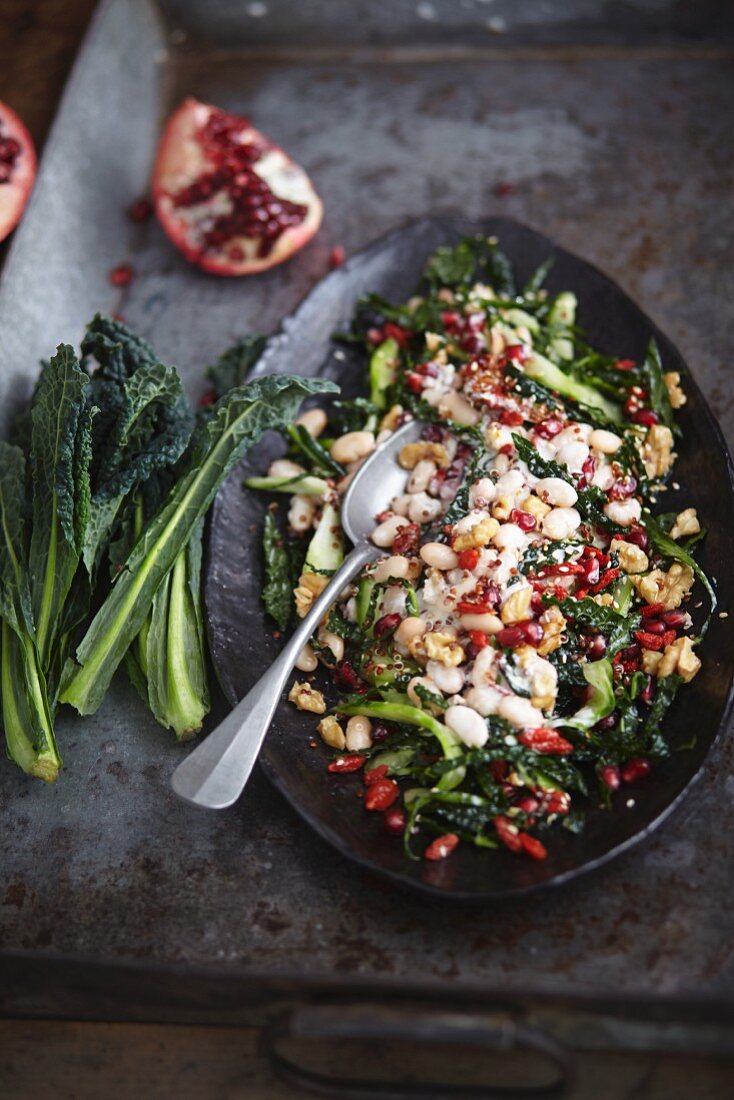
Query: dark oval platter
x,y
241,638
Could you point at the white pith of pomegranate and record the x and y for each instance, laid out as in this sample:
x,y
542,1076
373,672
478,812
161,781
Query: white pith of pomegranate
x,y
17,169
228,198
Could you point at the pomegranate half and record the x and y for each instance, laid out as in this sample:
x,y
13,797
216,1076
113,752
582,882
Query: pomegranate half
x,y
17,169
228,198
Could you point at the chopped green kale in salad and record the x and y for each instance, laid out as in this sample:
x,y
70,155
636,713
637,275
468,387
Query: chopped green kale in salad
x,y
513,652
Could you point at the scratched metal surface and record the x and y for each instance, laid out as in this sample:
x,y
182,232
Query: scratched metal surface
x,y
625,159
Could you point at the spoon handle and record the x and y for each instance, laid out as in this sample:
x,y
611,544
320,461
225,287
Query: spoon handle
x,y
214,774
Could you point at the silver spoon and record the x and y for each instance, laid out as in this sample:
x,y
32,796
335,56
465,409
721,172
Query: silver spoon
x,y
214,774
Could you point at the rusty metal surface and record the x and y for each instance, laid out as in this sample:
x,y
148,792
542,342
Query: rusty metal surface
x,y
626,160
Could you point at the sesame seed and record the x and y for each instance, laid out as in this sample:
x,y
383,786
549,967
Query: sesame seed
x,y
630,803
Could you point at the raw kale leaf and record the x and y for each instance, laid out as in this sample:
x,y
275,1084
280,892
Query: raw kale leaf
x,y
234,365
277,590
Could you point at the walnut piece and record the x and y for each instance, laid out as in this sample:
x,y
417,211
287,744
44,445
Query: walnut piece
x,y
331,733
307,698
657,450
535,506
310,585
669,589
553,624
679,657
389,421
541,675
686,523
650,661
631,558
675,393
502,507
517,605
436,646
481,534
412,453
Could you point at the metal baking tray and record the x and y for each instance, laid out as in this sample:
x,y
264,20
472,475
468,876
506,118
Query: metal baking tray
x,y
611,133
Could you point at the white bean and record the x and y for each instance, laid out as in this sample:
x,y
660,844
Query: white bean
x,y
423,472
306,660
410,628
439,556
468,726
485,699
603,478
450,680
573,434
520,712
483,670
352,446
424,682
623,512
385,533
458,408
554,490
314,421
484,621
424,509
400,505
482,492
331,641
393,601
283,467
573,455
397,566
359,733
510,483
509,537
301,512
606,442
560,523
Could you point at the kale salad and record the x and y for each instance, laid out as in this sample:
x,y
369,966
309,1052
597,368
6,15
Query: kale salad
x,y
509,658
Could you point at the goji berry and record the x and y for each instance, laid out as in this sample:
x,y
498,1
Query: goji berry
x,y
441,847
607,578
508,833
397,333
407,539
381,795
533,847
374,775
468,607
545,740
468,559
625,364
639,768
344,764
655,642
652,610
478,638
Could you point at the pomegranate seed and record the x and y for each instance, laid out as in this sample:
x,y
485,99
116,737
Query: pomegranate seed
x,y
610,776
511,418
375,336
518,353
544,740
524,520
414,382
346,677
337,256
407,539
655,626
478,638
587,471
433,433
638,536
555,802
623,488
207,398
597,647
380,733
388,624
674,620
381,795
395,820
549,427
504,188
639,768
625,364
374,775
450,319
121,275
397,333
346,764
498,770
607,723
511,636
441,847
533,847
646,417
648,692
140,211
468,559
528,805
591,571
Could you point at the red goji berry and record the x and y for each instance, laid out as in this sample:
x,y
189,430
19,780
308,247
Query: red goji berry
x,y
374,775
400,335
468,559
468,607
478,638
545,740
607,577
652,610
625,364
655,642
508,833
344,764
381,795
441,847
639,768
533,847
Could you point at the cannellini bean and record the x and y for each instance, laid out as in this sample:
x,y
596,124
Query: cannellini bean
x,y
385,533
439,556
359,733
509,537
484,621
306,660
483,670
468,726
554,490
573,455
423,472
623,512
412,627
573,434
350,609
424,509
520,712
510,483
352,446
400,505
425,682
485,699
603,478
458,408
449,680
331,641
500,464
498,436
314,421
560,523
482,492
393,601
301,512
606,442
397,566
283,467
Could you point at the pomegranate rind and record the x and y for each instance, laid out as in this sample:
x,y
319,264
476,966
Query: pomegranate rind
x,y
14,194
181,159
